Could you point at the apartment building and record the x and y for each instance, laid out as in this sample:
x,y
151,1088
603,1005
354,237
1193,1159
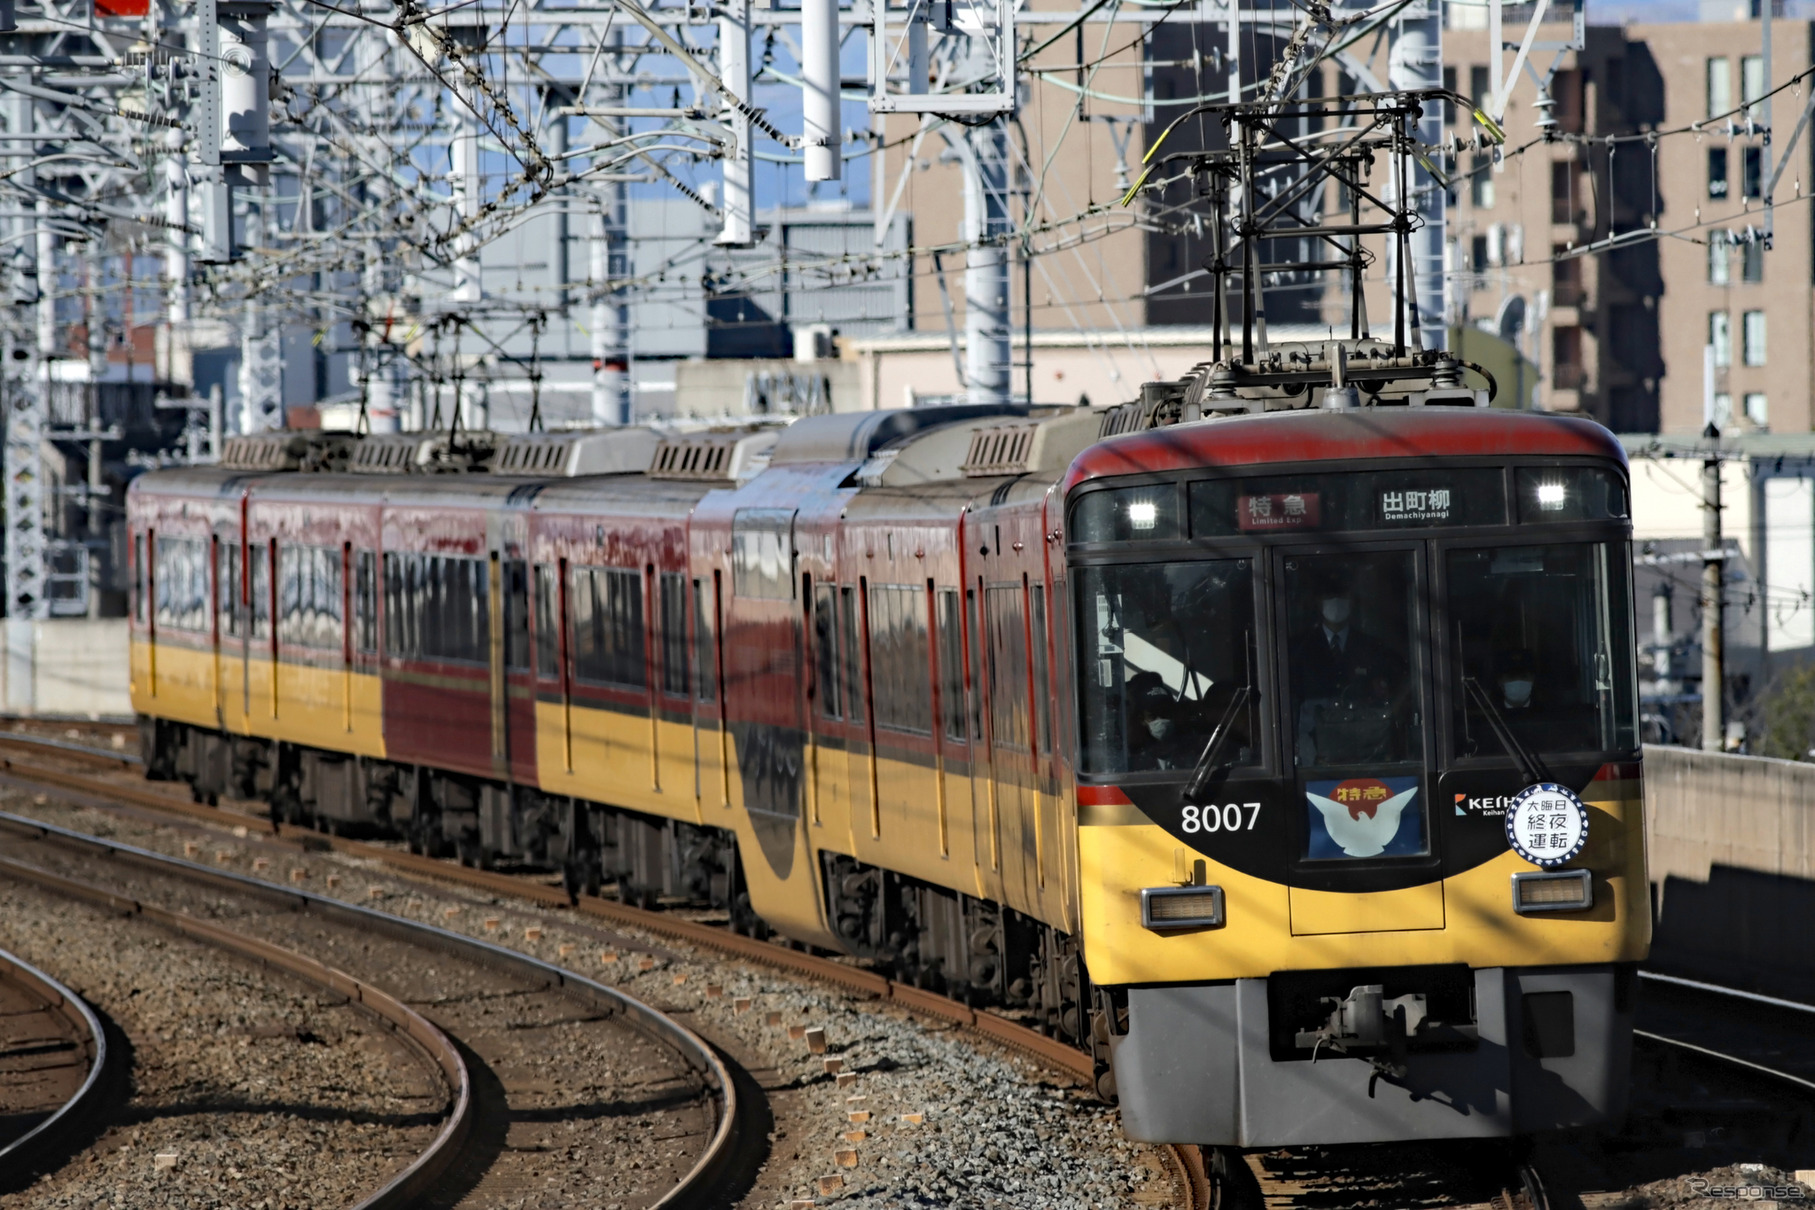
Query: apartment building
x,y
1711,318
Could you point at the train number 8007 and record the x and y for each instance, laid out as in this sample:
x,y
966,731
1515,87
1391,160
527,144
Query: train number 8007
x,y
1221,819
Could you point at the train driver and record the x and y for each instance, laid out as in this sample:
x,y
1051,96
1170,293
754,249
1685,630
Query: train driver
x,y
1517,678
1343,681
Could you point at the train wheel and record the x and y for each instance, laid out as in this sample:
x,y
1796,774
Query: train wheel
x,y
1232,1183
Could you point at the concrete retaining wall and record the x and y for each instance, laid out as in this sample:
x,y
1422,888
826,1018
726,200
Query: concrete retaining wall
x,y
66,667
1731,845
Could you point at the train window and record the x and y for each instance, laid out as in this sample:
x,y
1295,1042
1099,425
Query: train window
x,y
1393,499
1574,493
607,616
704,650
1007,665
1544,648
258,557
180,581
309,596
1163,651
899,670
825,651
848,628
229,612
1042,670
365,601
675,673
762,553
516,614
951,664
437,607
1354,703
138,578
548,632
1127,514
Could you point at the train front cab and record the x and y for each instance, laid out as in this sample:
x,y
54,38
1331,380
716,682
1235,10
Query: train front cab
x,y
1320,933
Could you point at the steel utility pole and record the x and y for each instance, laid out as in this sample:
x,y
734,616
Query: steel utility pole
x,y
989,361
1417,62
1714,727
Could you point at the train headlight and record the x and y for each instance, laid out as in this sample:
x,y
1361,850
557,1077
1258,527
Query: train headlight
x,y
1552,891
1164,908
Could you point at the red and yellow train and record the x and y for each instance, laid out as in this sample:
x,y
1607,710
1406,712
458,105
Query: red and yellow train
x,y
1287,761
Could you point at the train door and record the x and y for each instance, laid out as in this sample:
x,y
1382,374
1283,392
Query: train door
x,y
519,690
229,632
1358,722
860,727
679,769
1043,786
762,681
368,706
1006,663
346,637
986,834
711,776
219,596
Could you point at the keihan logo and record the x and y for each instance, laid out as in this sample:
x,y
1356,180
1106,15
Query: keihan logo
x,y
1362,814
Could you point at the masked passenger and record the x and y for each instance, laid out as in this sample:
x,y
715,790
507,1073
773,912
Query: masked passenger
x,y
1156,733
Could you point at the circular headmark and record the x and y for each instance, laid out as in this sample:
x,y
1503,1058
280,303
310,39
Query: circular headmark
x,y
1546,824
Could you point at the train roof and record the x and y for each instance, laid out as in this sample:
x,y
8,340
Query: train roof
x,y
1323,436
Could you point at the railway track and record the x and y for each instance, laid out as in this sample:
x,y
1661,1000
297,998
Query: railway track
x,y
53,1058
545,1062
110,778
180,1085
1744,1042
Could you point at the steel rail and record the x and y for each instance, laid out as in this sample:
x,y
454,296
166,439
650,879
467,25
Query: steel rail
x,y
693,1050
417,1030
1186,1163
76,1011
1731,993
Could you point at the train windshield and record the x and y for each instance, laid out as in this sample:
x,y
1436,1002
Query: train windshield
x,y
1166,649
1354,712
1542,640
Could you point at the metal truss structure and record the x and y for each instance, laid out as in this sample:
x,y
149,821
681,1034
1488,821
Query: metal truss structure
x,y
252,166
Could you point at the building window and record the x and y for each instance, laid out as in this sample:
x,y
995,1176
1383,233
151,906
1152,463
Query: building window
x,y
1566,279
1717,172
1752,332
1481,182
1752,83
1449,106
1563,191
1720,335
1480,88
1720,86
1752,174
1754,270
1718,248
1566,353
1723,409
1477,256
1756,409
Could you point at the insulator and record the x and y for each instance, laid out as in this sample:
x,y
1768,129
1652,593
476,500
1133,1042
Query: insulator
x,y
245,84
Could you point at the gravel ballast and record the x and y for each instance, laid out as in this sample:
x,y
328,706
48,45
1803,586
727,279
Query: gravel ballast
x,y
241,1078
942,1118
